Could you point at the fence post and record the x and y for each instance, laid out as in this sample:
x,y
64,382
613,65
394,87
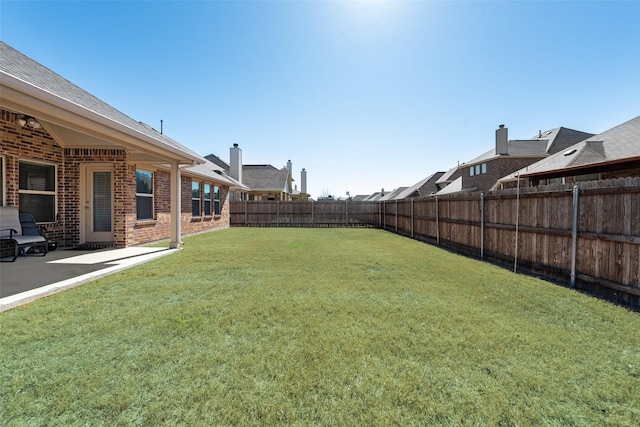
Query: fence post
x,y
437,224
396,216
515,257
574,236
412,218
246,215
384,215
278,213
313,224
481,225
346,209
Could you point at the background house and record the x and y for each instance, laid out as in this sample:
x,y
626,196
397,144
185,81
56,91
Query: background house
x,y
260,182
483,172
614,153
92,175
425,187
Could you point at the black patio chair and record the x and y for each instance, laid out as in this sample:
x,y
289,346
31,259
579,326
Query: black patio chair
x,y
30,228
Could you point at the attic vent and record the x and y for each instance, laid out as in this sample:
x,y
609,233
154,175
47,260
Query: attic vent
x,y
570,152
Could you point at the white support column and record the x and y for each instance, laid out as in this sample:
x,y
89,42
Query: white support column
x,y
175,206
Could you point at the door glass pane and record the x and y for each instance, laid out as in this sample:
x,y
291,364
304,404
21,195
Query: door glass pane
x,y
102,201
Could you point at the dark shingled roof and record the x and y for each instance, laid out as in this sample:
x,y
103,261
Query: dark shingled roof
x,y
264,177
619,143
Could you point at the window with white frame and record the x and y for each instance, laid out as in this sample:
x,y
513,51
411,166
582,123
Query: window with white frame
x,y
472,170
195,198
216,200
37,190
144,194
207,199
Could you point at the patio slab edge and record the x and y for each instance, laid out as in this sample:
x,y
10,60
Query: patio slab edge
x,y
13,301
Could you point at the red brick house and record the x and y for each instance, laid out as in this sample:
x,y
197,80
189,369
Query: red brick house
x,y
483,172
90,174
614,153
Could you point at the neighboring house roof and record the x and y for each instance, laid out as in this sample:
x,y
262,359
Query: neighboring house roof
x,y
618,144
374,197
360,197
393,194
454,187
446,177
541,145
423,188
265,178
70,113
218,161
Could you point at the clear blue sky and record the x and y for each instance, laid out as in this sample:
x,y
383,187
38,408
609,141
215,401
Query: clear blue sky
x,y
365,95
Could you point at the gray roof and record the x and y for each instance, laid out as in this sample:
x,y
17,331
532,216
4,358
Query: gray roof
x,y
15,64
393,194
541,145
620,143
454,187
446,177
423,188
218,161
264,178
374,197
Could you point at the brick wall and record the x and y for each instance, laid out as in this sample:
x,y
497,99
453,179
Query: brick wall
x,y
497,168
19,143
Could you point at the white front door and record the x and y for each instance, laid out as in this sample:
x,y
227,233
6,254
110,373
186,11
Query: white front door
x,y
97,204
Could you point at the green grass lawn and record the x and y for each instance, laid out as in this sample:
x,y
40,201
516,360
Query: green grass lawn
x,y
251,326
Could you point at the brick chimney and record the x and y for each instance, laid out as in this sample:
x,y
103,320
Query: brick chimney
x,y
502,141
235,163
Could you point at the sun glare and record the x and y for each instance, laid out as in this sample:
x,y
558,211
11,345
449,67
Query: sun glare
x,y
370,17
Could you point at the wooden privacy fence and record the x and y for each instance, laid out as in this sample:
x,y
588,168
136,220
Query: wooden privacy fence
x,y
587,235
305,214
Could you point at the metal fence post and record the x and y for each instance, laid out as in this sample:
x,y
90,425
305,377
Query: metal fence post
x,y
481,225
412,218
396,216
346,209
574,236
437,223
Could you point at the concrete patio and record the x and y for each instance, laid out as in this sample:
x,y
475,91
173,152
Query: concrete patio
x,y
32,277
